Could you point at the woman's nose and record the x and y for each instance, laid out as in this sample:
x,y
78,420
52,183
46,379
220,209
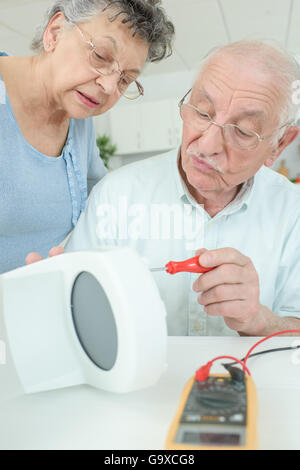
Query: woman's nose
x,y
109,83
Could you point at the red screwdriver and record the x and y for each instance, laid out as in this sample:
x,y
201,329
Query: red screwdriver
x,y
191,265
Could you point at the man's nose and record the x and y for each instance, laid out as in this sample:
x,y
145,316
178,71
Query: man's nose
x,y
109,83
211,141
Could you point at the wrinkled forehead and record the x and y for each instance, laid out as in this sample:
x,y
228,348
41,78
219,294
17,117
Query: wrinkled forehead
x,y
127,46
237,84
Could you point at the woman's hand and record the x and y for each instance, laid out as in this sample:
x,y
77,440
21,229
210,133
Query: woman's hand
x,y
35,257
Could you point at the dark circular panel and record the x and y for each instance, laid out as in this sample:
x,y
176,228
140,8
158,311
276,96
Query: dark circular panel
x,y
94,321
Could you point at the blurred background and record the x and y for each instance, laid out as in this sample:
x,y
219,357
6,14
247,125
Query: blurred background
x,y
152,125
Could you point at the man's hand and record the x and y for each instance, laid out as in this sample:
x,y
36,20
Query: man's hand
x,y
34,257
231,290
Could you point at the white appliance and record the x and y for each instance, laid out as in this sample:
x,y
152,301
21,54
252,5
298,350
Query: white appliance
x,y
85,318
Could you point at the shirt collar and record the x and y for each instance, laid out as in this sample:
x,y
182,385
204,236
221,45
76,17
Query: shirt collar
x,y
242,198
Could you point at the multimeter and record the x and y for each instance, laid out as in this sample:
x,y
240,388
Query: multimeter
x,y
216,414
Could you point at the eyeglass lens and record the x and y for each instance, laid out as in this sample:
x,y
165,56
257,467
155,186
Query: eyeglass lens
x,y
234,136
105,64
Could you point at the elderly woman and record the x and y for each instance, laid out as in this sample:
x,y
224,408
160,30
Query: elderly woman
x,y
89,53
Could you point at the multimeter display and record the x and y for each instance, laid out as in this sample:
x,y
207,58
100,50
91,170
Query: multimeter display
x,y
215,413
211,438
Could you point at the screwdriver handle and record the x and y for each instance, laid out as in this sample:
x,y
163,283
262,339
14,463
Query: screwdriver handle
x,y
191,265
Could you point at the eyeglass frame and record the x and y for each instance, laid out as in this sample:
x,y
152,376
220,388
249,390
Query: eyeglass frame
x,y
223,126
93,48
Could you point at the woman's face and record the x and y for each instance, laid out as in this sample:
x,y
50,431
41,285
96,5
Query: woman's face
x,y
75,86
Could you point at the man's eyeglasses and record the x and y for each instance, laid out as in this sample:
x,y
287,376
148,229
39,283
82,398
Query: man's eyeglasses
x,y
235,136
104,63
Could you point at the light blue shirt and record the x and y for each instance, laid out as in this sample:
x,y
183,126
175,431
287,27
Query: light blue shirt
x,y
262,222
41,197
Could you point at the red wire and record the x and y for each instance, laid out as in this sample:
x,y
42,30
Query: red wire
x,y
204,370
233,359
202,373
265,339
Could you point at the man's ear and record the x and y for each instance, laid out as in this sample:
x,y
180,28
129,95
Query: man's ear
x,y
289,136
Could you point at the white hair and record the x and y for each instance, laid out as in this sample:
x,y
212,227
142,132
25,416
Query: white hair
x,y
272,59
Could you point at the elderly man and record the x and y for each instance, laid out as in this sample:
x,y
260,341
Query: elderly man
x,y
237,120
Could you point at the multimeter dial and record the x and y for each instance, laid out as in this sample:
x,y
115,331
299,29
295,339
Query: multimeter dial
x,y
216,397
214,413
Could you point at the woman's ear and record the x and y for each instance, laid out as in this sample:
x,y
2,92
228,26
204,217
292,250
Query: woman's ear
x,y
53,31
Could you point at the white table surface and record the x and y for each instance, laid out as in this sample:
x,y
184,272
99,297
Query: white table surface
x,y
86,418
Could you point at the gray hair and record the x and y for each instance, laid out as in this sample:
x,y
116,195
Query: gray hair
x,y
146,18
275,60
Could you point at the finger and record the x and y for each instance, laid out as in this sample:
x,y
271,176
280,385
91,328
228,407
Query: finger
x,y
56,250
33,258
225,274
221,256
230,309
222,293
200,251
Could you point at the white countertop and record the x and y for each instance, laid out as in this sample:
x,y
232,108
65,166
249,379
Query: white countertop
x,y
85,418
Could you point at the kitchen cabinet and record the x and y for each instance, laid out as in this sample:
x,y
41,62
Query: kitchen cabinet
x,y
146,127
125,128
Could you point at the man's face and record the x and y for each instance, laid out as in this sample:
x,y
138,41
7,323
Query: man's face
x,y
74,79
231,93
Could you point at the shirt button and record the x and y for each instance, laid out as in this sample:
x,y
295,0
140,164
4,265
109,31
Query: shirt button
x,y
197,326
